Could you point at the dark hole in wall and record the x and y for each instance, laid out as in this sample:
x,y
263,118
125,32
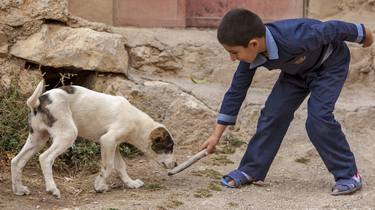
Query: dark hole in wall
x,y
31,66
55,22
57,77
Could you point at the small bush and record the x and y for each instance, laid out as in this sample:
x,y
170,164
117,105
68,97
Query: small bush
x,y
13,123
85,156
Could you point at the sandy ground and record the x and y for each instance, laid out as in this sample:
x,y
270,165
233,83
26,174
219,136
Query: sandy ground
x,y
290,184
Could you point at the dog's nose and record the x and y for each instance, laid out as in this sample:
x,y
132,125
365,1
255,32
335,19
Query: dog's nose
x,y
169,165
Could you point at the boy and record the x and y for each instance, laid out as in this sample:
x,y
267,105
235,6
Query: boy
x,y
313,59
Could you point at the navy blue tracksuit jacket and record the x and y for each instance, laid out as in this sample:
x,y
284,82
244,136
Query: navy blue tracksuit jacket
x,y
313,59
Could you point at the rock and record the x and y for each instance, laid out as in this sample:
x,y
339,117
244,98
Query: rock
x,y
152,56
3,44
27,80
186,117
17,12
9,71
59,46
77,22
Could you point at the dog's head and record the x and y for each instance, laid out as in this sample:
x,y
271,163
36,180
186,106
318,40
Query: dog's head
x,y
162,146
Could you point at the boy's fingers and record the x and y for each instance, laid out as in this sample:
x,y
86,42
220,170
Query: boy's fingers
x,y
210,149
203,146
368,38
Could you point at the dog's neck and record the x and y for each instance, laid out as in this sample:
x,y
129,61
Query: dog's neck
x,y
140,138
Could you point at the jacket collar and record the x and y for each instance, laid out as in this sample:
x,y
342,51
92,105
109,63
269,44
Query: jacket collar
x,y
272,51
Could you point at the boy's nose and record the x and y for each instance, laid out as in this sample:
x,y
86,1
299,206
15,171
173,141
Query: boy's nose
x,y
233,57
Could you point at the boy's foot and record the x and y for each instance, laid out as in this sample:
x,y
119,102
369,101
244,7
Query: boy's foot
x,y
236,179
347,186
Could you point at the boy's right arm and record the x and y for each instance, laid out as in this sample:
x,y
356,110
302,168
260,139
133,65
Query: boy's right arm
x,y
213,140
231,104
368,38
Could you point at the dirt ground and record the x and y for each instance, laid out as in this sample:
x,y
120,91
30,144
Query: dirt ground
x,y
297,179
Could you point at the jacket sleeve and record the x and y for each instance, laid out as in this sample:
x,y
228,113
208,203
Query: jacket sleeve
x,y
323,33
236,94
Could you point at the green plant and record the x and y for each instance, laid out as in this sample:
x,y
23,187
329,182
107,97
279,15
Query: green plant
x,y
229,144
214,186
85,155
302,160
208,173
221,160
130,151
82,155
153,187
202,193
233,205
13,122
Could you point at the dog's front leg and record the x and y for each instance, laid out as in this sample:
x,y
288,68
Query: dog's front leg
x,y
121,169
34,143
108,148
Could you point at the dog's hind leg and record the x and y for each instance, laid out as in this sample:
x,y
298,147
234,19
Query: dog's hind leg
x,y
121,169
108,148
62,140
34,144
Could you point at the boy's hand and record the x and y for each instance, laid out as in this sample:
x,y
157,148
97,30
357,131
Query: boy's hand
x,y
368,38
210,144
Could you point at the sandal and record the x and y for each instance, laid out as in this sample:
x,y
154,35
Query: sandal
x,y
239,177
347,186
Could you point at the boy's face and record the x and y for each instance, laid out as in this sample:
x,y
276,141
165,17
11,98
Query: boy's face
x,y
241,53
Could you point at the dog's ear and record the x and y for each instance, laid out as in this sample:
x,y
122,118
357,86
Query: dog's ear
x,y
161,141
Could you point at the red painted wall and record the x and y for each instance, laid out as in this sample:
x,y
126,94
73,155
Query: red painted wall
x,y
209,12
197,13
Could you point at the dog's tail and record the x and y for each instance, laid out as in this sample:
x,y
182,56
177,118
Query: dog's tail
x,y
33,101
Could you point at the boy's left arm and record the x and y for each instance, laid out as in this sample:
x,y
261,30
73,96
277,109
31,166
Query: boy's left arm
x,y
313,36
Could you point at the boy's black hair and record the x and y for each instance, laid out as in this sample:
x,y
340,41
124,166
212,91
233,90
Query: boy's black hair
x,y
239,26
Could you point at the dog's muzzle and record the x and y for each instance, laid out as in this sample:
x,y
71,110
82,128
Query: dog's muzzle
x,y
167,161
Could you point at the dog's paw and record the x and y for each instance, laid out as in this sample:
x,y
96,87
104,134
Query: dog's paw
x,y
21,190
55,192
101,188
100,185
134,183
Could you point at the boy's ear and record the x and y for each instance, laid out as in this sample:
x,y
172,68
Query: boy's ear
x,y
253,43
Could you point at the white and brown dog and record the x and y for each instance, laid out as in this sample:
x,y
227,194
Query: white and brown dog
x,y
70,111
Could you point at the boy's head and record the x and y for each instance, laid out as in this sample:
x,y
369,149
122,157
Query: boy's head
x,y
242,33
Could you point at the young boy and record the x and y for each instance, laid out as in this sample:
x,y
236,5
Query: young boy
x,y
313,59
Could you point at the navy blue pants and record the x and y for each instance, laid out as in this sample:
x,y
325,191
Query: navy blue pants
x,y
324,86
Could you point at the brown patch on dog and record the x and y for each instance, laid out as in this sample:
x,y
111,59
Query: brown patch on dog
x,y
47,118
69,89
161,141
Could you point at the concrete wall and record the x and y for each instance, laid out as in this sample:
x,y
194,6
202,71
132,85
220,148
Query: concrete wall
x,y
93,10
178,13
209,12
150,13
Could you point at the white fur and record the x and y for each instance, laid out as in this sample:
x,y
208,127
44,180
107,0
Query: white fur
x,y
106,119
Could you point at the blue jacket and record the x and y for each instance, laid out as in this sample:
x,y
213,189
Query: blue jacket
x,y
297,47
